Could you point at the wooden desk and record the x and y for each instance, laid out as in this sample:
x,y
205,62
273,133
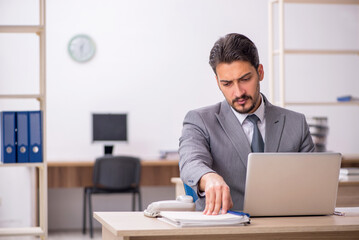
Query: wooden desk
x,y
348,191
154,173
348,194
79,174
134,225
350,160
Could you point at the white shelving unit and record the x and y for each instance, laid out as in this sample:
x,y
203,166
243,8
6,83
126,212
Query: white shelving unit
x,y
282,51
40,30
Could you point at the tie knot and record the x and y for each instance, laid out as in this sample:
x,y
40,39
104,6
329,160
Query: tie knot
x,y
253,118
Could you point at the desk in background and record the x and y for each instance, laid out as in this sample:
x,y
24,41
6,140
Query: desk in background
x,y
79,174
134,225
350,160
154,173
348,191
347,196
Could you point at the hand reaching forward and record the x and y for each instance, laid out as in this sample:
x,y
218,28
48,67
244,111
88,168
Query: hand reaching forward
x,y
217,194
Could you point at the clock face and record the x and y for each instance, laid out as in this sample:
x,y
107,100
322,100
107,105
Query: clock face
x,y
81,48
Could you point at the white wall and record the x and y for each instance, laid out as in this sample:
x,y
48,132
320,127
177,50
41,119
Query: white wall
x,y
152,63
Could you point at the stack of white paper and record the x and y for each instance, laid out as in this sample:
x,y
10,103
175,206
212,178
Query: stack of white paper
x,y
197,219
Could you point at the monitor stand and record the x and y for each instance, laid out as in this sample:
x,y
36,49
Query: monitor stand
x,y
108,149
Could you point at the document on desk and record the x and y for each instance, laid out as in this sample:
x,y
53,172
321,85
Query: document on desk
x,y
198,219
347,211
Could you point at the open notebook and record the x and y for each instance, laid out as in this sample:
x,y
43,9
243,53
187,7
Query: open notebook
x,y
198,219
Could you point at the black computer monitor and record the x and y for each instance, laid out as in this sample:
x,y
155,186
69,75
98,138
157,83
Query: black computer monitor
x,y
109,128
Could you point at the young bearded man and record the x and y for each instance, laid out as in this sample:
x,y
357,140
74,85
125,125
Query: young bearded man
x,y
217,139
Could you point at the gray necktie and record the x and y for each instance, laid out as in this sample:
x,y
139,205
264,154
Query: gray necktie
x,y
257,140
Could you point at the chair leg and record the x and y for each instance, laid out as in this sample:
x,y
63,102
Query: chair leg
x,y
139,201
84,213
90,213
133,201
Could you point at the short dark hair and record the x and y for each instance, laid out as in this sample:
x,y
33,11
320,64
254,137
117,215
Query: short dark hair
x,y
233,47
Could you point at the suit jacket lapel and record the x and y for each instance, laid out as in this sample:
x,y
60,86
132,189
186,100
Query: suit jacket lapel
x,y
234,131
274,127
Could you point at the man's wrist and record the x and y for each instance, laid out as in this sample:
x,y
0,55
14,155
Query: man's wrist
x,y
203,181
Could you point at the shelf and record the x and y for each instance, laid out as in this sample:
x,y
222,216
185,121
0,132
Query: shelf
x,y
21,29
316,51
320,1
22,164
41,229
16,96
280,51
26,231
321,103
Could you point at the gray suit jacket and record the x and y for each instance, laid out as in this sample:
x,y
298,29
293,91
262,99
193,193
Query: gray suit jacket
x,y
213,141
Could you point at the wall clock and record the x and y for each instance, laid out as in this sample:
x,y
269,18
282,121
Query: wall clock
x,y
81,48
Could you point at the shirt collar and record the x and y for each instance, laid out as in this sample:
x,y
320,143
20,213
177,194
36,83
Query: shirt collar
x,y
259,112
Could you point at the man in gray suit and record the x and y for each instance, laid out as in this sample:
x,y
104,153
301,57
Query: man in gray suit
x,y
216,140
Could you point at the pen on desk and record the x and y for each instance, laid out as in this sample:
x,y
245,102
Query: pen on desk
x,y
238,213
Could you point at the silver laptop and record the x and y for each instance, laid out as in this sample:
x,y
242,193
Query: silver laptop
x,y
291,184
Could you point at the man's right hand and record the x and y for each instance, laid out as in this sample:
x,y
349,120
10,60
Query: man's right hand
x,y
217,194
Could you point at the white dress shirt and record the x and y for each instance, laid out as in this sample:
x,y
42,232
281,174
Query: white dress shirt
x,y
248,125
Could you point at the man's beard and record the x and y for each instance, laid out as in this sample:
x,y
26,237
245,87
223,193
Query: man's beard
x,y
246,97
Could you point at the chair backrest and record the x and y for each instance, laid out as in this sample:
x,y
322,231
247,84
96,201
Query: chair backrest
x,y
190,192
117,172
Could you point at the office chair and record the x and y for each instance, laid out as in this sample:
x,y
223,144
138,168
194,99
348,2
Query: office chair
x,y
190,192
113,174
